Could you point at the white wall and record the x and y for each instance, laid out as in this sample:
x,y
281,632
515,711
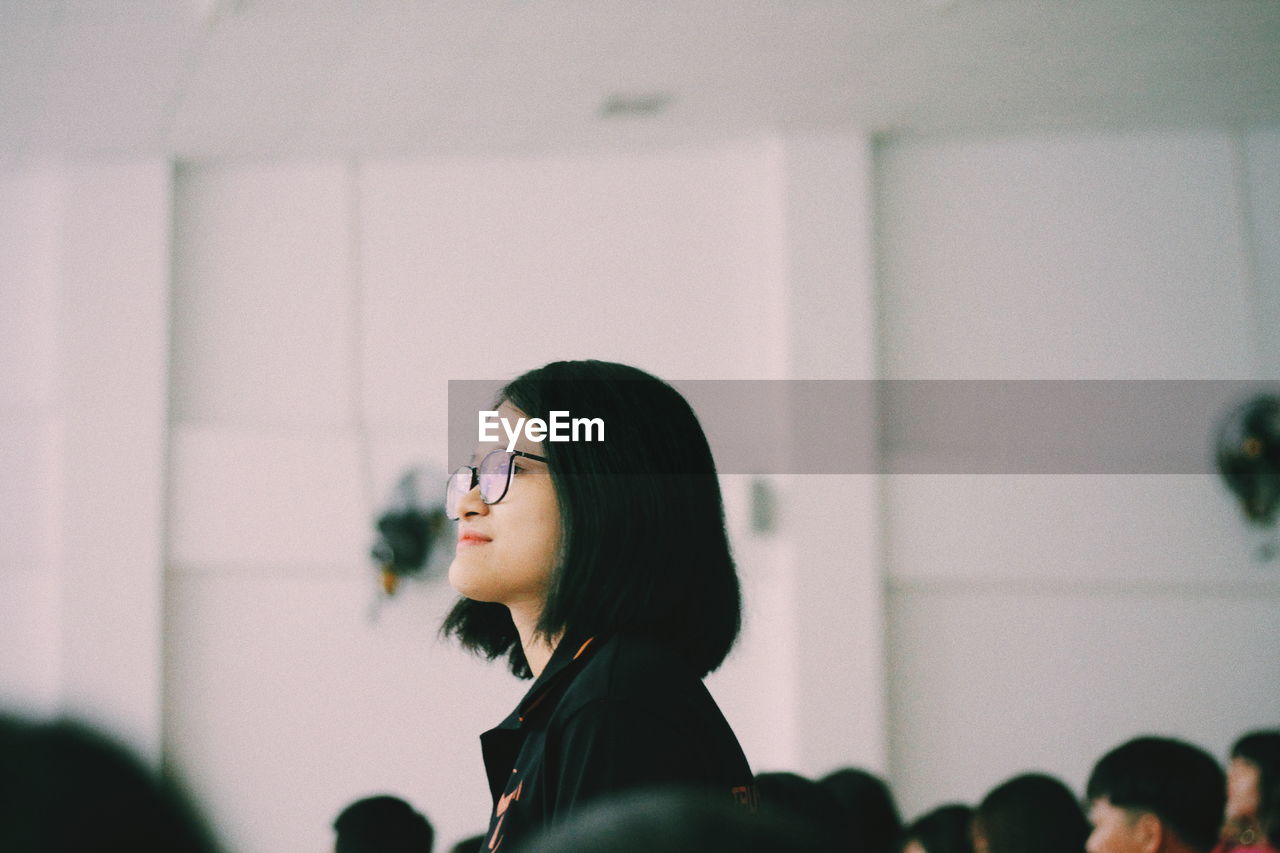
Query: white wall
x,y
837,630
84,413
114,344
1258,173
29,233
1034,622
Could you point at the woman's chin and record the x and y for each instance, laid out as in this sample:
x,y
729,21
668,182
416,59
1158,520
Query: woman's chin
x,y
463,578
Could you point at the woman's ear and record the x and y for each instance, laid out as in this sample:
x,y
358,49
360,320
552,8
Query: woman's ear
x,y
1149,832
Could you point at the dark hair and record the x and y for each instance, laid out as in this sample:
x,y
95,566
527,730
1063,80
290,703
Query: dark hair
x,y
1262,749
382,824
1032,812
869,817
1179,783
66,788
1269,817
644,547
945,829
795,797
675,820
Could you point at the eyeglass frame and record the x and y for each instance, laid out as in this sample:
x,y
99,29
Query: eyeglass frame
x,y
475,475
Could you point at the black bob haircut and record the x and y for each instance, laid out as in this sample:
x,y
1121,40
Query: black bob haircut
x,y
1179,783
643,546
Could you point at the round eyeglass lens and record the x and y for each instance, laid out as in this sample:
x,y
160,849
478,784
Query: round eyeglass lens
x,y
495,476
460,482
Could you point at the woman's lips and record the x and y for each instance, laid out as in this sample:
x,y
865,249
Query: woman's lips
x,y
472,539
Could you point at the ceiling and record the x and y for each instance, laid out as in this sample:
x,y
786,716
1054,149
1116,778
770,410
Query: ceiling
x,y
230,79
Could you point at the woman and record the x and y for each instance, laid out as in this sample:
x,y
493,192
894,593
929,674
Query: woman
x,y
1253,782
1031,812
601,569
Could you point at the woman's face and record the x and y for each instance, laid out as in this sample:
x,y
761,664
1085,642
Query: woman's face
x,y
1242,789
506,551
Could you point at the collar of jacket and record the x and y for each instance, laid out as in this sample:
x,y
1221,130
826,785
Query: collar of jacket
x,y
570,655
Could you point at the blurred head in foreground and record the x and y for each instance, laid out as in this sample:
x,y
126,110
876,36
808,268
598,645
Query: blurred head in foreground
x,y
675,820
65,788
1031,812
1253,787
869,821
945,829
382,824
1155,795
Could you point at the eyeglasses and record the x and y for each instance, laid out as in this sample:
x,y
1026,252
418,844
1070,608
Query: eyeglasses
x,y
493,474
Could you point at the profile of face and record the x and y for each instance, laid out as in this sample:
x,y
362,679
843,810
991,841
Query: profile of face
x,y
1243,778
1118,830
507,550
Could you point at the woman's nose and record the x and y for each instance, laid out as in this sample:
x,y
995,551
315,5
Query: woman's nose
x,y
471,504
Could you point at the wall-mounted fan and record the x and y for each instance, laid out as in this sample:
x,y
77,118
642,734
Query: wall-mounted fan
x,y
412,536
1248,457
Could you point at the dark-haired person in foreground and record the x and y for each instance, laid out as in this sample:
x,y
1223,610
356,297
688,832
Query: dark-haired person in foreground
x,y
1253,782
69,788
795,797
675,820
601,570
945,829
1030,812
869,818
382,824
1155,795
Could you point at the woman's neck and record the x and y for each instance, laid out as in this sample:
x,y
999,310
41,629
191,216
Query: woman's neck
x,y
537,648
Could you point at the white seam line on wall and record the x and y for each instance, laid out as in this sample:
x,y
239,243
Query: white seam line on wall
x,y
356,344
1249,245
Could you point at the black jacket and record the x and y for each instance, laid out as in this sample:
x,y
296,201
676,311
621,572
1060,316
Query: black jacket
x,y
606,715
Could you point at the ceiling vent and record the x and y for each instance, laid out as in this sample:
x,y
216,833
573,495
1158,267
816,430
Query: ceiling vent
x,y
639,105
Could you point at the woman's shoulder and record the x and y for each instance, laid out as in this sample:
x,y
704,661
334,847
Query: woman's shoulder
x,y
632,666
638,696
635,714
